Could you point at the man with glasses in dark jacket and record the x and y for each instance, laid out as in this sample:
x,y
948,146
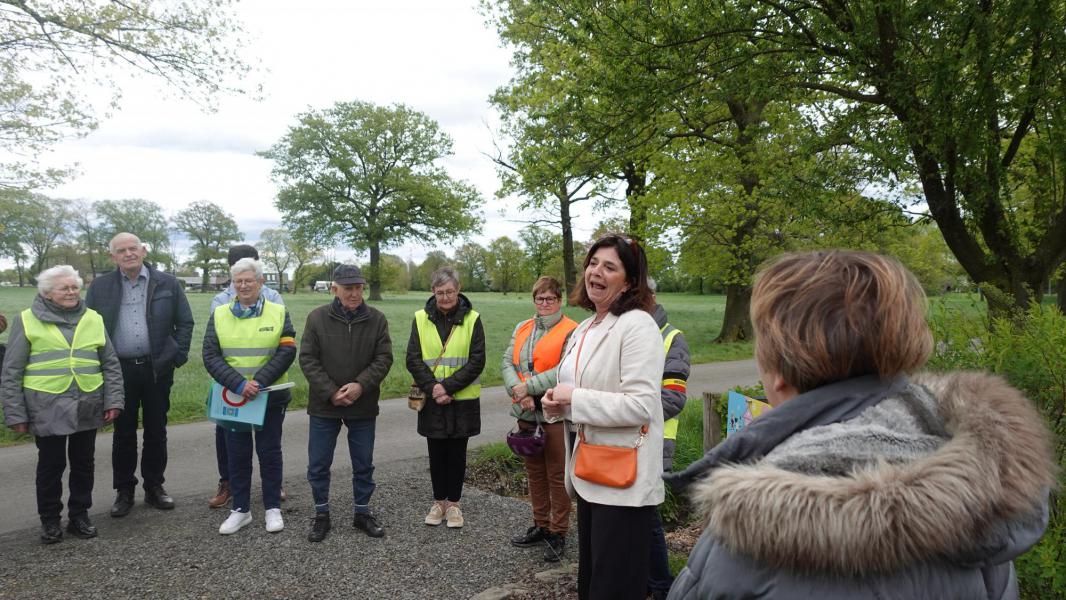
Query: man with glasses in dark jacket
x,y
150,324
345,354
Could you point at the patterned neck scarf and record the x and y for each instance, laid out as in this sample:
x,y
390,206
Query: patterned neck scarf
x,y
241,312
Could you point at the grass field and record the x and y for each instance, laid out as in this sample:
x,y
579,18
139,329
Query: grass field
x,y
698,316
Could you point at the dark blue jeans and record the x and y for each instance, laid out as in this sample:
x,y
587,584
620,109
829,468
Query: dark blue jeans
x,y
221,457
659,577
268,447
321,443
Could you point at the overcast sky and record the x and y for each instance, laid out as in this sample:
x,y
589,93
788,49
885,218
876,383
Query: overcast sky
x,y
436,56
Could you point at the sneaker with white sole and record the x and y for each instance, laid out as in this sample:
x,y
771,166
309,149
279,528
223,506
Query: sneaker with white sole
x,y
234,522
454,516
274,522
436,514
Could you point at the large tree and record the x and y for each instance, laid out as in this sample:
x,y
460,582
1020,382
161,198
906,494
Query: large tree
x,y
52,52
142,218
212,230
274,248
371,176
505,262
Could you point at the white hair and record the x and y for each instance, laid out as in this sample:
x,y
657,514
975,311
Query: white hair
x,y
111,244
46,279
247,264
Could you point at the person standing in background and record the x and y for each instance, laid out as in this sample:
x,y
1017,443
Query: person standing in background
x,y
676,370
150,324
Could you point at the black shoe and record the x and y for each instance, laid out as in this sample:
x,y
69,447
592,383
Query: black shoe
x,y
533,536
123,503
51,533
368,524
320,527
158,497
554,547
81,526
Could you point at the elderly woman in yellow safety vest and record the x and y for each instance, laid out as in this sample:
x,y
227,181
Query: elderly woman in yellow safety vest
x,y
531,366
61,382
445,356
249,345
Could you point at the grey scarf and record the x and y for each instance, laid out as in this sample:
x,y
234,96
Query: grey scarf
x,y
833,403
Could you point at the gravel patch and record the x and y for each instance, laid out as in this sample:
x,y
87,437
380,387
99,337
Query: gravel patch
x,y
179,553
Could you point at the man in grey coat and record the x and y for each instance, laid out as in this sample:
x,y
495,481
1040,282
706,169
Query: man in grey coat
x,y
345,353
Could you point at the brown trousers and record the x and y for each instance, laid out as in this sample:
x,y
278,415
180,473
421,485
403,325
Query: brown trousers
x,y
546,473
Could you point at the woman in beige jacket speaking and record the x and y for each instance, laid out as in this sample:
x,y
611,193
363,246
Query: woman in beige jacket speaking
x,y
609,390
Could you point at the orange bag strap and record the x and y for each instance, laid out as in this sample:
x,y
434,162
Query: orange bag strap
x,y
637,444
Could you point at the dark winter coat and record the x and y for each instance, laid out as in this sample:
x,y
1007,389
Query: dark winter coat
x,y
461,418
220,371
168,315
678,366
72,410
335,351
929,491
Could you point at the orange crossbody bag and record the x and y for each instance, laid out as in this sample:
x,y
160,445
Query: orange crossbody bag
x,y
611,466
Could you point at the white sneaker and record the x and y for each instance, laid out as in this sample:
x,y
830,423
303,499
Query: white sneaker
x,y
234,522
274,522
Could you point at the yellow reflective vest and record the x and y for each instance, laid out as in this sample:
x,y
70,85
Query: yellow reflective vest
x,y
670,426
455,355
248,344
54,364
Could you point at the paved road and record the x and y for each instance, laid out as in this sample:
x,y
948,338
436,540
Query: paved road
x,y
192,475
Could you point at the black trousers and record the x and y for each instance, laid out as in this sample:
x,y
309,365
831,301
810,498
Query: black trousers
x,y
614,548
447,467
149,395
52,455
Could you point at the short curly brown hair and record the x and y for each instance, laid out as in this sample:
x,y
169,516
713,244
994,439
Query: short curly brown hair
x,y
821,317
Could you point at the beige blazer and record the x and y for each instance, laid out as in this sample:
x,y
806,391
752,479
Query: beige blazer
x,y
617,390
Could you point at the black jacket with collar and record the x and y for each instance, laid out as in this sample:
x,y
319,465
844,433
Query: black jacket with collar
x,y
168,315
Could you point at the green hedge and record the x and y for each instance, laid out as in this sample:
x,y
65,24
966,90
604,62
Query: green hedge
x,y
1029,350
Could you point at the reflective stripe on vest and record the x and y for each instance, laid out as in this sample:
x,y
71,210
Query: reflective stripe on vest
x,y
455,355
248,344
670,426
548,350
54,364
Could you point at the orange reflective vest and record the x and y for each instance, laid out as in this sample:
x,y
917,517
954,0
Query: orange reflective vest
x,y
548,350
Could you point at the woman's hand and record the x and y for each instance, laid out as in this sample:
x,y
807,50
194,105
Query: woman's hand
x,y
527,403
445,399
20,427
438,392
556,400
111,414
519,391
251,389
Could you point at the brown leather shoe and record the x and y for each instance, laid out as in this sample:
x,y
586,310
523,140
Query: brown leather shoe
x,y
222,497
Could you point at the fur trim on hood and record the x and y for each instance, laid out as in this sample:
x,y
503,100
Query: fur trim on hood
x,y
997,466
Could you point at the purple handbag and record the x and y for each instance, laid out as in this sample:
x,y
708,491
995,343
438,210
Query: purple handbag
x,y
526,442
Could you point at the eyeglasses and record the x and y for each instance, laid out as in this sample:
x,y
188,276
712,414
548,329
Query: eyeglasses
x,y
545,300
70,289
244,282
447,294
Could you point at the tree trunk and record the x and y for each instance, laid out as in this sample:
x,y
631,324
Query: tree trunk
x,y
569,269
636,178
375,272
206,276
736,323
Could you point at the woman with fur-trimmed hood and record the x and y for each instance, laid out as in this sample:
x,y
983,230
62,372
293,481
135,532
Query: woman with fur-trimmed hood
x,y
864,482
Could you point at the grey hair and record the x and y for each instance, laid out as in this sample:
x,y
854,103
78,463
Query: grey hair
x,y
651,285
247,264
111,244
443,276
46,279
